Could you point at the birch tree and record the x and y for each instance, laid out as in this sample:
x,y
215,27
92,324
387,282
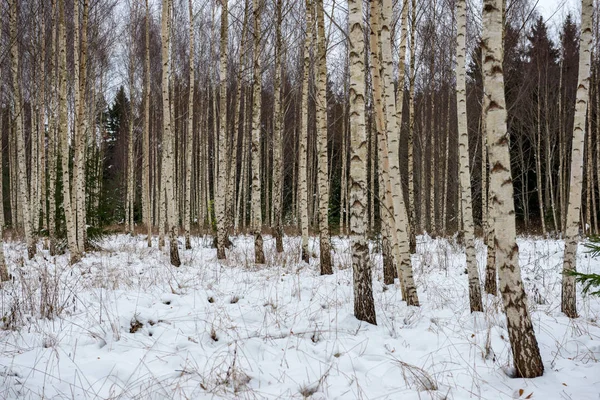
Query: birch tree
x,y
277,133
222,176
4,276
19,131
525,350
52,133
303,137
168,159
146,139
259,255
364,306
463,149
323,170
190,133
569,294
393,137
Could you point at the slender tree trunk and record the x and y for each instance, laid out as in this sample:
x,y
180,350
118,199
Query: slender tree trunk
x,y
37,138
2,219
538,160
243,169
52,145
19,132
63,134
78,192
168,151
259,255
463,150
4,276
525,351
491,286
411,129
146,139
364,307
130,143
277,193
220,211
561,154
323,170
238,102
569,294
386,206
303,152
393,136
344,172
83,129
597,134
588,171
190,134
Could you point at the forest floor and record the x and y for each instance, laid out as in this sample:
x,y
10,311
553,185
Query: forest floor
x,y
128,325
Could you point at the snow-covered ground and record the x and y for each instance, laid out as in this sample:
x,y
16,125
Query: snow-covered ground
x,y
128,325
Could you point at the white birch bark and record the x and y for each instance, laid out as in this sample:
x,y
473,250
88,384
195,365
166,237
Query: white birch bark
x,y
259,255
278,135
525,351
221,191
393,137
569,293
168,153
364,307
19,132
146,139
464,165
52,136
190,134
323,170
303,137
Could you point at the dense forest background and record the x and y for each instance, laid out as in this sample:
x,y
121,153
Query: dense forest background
x,y
540,84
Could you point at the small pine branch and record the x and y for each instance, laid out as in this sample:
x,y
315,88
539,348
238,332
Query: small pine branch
x,y
593,246
588,281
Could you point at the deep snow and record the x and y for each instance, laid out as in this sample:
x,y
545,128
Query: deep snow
x,y
131,326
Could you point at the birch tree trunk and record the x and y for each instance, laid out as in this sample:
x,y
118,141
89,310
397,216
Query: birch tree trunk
x,y
323,170
52,135
4,276
83,129
491,286
588,170
538,161
364,306
569,294
190,135
146,139
393,137
259,254
303,137
222,176
278,135
525,351
63,134
18,113
172,220
411,129
463,150
2,219
130,140
80,62
386,206
37,140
